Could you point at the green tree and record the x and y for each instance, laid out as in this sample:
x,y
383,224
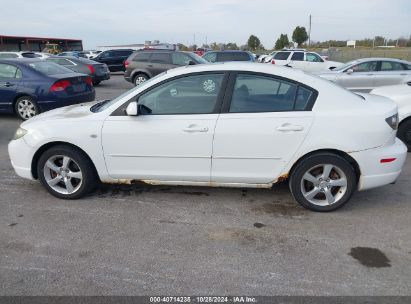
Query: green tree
x,y
300,35
282,42
254,43
231,46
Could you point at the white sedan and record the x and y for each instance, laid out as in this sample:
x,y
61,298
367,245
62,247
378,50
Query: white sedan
x,y
232,125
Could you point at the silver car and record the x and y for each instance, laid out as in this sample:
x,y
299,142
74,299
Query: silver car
x,y
363,75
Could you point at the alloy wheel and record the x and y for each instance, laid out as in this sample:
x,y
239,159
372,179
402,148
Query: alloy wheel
x,y
63,174
26,109
324,185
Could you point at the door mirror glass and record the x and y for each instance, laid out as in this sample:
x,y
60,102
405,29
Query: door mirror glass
x,y
191,62
132,109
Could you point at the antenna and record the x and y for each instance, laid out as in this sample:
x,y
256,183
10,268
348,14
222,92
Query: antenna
x,y
309,33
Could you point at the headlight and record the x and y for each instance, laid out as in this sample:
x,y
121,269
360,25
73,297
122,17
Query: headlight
x,y
20,133
393,121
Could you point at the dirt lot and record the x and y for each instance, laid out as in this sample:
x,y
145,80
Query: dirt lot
x,y
129,240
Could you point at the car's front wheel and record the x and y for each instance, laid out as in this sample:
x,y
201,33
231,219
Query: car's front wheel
x,y
26,107
323,182
66,172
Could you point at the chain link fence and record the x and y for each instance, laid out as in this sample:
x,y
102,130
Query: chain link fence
x,y
345,55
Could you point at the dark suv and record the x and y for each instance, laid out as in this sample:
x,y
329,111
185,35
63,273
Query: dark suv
x,y
224,56
114,59
142,65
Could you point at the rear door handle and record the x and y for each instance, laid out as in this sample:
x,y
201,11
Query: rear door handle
x,y
150,65
195,129
8,84
290,128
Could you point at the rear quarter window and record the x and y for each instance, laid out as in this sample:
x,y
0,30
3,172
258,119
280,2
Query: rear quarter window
x,y
141,57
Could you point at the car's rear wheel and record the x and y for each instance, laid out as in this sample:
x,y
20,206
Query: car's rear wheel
x,y
140,78
323,182
66,172
404,133
26,107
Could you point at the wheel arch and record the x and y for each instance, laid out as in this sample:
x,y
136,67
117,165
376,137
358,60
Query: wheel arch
x,y
340,153
136,72
49,145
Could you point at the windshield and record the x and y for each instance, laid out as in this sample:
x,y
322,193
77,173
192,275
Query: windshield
x,y
101,106
197,58
49,68
345,66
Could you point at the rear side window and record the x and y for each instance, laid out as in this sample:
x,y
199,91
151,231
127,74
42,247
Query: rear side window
x,y
9,71
254,93
282,55
141,57
298,56
160,58
391,66
124,53
49,68
233,56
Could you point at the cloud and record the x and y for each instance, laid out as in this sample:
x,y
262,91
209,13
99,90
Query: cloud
x,y
122,21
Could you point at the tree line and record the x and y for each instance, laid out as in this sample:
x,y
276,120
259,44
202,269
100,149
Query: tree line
x,y
299,38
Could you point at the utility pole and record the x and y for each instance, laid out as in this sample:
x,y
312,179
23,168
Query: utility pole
x,y
309,33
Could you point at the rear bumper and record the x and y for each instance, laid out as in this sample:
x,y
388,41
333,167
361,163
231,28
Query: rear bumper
x,y
101,77
373,172
46,105
128,78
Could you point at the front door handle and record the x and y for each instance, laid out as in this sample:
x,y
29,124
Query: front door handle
x,y
290,128
195,129
8,84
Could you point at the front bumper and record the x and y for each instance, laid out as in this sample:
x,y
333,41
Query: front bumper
x,y
21,156
101,77
373,172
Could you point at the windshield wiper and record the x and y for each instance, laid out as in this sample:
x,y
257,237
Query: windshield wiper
x,y
98,105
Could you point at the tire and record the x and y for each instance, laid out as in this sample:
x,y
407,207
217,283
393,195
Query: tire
x,y
404,133
62,166
96,83
26,107
320,191
140,78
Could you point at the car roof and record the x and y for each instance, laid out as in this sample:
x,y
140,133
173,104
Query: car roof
x,y
381,59
229,51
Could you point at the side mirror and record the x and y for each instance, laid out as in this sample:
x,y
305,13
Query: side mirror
x,y
350,71
132,109
191,62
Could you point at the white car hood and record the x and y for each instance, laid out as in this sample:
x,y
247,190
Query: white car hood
x,y
75,111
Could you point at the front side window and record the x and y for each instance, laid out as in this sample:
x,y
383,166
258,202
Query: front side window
x,y
282,55
196,94
181,59
160,58
255,93
391,66
210,57
9,71
370,66
311,57
298,56
8,55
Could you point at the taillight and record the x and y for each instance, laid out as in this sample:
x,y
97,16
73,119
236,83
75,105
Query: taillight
x,y
89,81
91,68
126,63
273,61
60,85
392,121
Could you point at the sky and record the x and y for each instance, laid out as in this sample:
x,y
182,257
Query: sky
x,y
111,22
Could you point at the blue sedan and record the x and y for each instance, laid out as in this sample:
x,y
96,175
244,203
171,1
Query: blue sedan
x,y
31,86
